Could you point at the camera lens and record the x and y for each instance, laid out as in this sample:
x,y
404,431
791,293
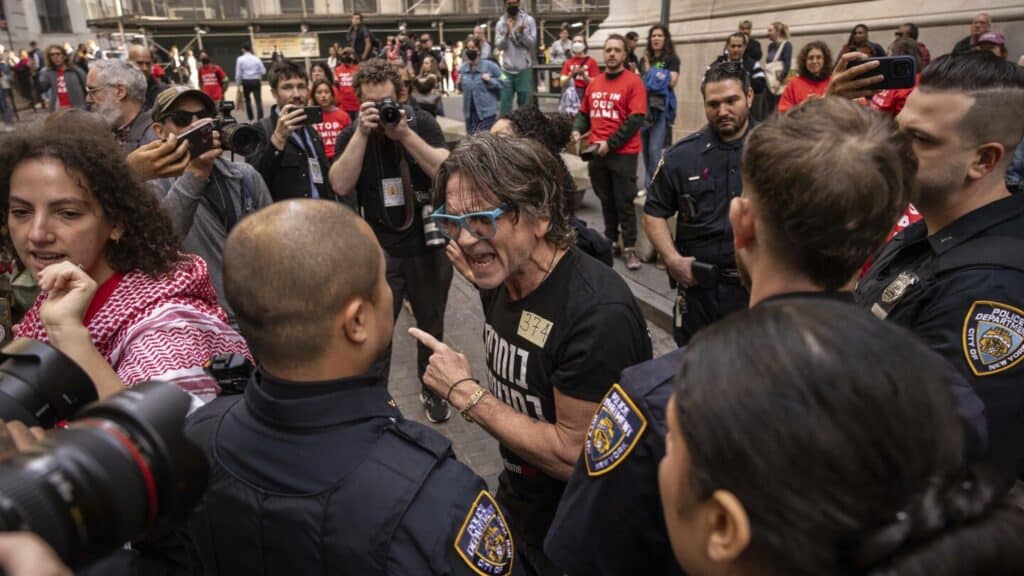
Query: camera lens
x,y
240,138
108,477
390,112
40,386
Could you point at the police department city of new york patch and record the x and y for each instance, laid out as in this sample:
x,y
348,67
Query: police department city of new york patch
x,y
484,541
993,337
614,431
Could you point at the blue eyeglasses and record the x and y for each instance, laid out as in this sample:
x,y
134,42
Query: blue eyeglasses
x,y
480,225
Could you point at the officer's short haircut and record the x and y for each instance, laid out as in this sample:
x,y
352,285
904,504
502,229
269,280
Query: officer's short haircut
x,y
519,172
829,178
722,71
376,71
289,270
911,30
285,70
997,87
113,72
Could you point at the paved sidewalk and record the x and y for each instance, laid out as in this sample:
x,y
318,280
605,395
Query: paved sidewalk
x,y
464,331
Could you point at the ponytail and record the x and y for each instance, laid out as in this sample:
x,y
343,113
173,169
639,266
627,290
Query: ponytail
x,y
961,525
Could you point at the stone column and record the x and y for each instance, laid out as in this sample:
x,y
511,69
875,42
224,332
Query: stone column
x,y
699,29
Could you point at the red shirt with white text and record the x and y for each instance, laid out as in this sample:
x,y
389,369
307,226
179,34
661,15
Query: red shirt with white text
x,y
609,102
344,75
211,78
335,120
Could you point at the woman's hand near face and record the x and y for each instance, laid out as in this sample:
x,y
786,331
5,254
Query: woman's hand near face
x,y
69,291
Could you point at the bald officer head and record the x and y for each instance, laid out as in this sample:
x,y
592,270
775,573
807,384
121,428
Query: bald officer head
x,y
306,281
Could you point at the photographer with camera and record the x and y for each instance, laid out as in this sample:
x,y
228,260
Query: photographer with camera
x,y
213,194
391,498
291,160
389,157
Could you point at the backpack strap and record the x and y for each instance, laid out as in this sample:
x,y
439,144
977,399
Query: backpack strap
x,y
1001,251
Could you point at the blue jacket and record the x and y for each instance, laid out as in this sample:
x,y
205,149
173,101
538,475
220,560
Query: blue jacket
x,y
485,96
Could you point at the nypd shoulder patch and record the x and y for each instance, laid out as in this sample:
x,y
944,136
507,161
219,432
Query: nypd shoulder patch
x,y
993,337
614,431
484,542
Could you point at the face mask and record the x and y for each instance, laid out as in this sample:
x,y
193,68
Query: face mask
x,y
513,11
206,60
471,54
346,59
578,47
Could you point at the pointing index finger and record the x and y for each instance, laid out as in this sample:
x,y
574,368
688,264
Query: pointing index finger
x,y
426,339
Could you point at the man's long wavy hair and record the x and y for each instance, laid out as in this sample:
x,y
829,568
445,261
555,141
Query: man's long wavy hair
x,y
517,171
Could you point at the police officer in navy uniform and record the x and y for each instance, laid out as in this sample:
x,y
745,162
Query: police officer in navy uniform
x,y
956,279
313,469
789,242
695,181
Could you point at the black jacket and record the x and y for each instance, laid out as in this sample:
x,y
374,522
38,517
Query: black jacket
x,y
328,478
286,172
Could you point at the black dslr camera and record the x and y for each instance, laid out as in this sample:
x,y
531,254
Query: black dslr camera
x,y
239,138
391,112
118,469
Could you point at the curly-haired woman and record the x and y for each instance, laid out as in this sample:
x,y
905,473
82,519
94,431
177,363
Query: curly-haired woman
x,y
815,66
117,296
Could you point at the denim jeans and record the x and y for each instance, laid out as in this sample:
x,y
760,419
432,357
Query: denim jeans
x,y
521,86
652,138
476,124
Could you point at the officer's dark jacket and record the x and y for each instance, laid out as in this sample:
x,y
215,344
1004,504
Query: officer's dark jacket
x,y
287,171
328,478
612,524
617,497
697,179
971,315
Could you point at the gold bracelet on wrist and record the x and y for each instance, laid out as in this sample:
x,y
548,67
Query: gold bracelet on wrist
x,y
474,399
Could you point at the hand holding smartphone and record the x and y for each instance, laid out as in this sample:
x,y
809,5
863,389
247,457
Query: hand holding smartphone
x,y
199,137
314,115
898,72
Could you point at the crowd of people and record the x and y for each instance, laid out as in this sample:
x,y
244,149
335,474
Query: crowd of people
x,y
844,398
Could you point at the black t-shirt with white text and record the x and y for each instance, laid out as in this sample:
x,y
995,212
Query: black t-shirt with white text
x,y
576,332
381,171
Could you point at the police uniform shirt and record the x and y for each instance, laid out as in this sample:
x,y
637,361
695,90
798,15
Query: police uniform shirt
x,y
973,316
576,332
315,478
696,180
614,487
610,521
381,179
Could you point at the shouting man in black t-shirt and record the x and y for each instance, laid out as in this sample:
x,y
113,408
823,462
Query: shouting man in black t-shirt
x,y
389,157
560,326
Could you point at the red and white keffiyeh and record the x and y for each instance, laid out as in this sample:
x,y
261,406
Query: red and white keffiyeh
x,y
162,328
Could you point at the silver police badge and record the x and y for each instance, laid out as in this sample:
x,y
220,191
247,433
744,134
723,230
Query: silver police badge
x,y
895,290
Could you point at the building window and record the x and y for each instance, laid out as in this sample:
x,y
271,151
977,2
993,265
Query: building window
x,y
292,6
53,16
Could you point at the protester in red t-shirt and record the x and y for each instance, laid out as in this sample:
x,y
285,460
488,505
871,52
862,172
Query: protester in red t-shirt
x,y
212,79
65,82
581,67
335,119
344,74
613,109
